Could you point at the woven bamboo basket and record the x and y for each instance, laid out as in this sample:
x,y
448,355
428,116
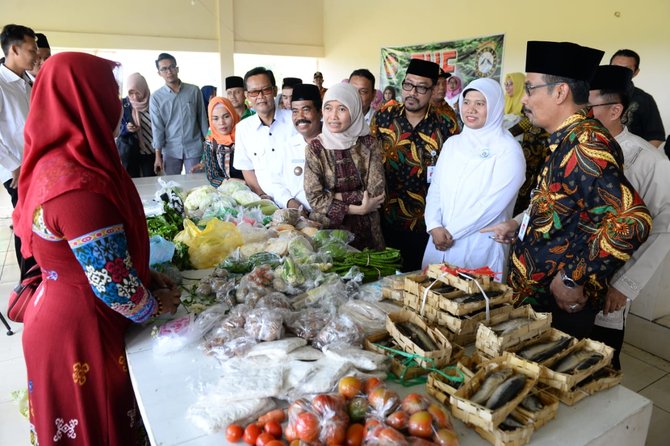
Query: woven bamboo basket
x,y
441,384
469,323
548,336
469,286
476,415
544,415
437,358
566,381
500,437
398,364
493,345
571,397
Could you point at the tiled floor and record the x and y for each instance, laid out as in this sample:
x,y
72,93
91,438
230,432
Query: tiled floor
x,y
643,372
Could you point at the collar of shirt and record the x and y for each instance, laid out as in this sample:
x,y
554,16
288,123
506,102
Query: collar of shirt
x,y
566,127
9,76
280,117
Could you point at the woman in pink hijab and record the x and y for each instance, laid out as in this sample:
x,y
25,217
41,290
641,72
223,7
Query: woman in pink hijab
x,y
135,138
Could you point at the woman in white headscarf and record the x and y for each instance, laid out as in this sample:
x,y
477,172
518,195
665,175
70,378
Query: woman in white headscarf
x,y
475,184
344,175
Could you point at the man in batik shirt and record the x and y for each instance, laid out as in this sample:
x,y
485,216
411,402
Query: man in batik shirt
x,y
584,219
412,135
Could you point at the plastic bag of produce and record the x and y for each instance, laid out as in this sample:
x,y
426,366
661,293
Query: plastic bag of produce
x,y
341,329
245,197
178,333
170,193
208,247
160,250
264,324
229,187
254,285
253,234
370,316
324,236
307,323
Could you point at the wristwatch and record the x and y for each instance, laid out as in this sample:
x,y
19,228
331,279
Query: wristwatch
x,y
567,282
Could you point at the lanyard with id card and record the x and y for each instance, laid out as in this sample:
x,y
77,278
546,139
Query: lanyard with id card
x,y
526,216
430,170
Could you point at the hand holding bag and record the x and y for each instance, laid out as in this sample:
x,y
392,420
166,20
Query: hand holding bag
x,y
23,294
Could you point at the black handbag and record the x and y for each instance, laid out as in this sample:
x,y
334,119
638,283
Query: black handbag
x,y
23,294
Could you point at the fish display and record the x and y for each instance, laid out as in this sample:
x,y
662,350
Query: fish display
x,y
418,335
506,391
602,373
490,384
532,403
479,297
544,350
577,361
510,424
509,325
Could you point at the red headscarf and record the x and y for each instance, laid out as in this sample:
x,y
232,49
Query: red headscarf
x,y
217,136
69,145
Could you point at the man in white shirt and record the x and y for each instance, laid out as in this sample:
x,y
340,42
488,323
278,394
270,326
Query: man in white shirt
x,y
260,140
20,48
648,171
288,189
364,81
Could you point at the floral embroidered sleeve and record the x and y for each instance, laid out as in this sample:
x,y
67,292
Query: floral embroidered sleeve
x,y
96,236
103,254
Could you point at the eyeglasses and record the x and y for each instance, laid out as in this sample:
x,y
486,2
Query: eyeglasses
x,y
604,103
265,90
529,88
421,89
167,68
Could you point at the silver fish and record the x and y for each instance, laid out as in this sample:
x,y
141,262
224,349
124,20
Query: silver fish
x,y
580,358
532,403
510,424
544,350
509,325
418,335
506,391
469,298
489,385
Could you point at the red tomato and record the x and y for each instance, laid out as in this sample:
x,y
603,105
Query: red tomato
x,y
277,415
264,438
383,401
355,435
326,405
251,433
307,427
446,437
290,433
275,443
273,428
371,384
440,417
398,420
234,433
421,424
349,386
391,437
414,402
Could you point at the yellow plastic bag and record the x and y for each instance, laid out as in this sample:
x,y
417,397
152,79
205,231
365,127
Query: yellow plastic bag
x,y
208,247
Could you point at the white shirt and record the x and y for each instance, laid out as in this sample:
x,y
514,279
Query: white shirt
x,y
289,179
648,170
14,105
368,116
260,148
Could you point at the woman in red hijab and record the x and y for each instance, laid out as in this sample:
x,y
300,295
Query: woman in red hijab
x,y
80,215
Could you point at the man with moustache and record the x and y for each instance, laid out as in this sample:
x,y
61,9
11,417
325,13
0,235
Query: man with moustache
x,y
235,94
261,139
179,121
288,190
648,170
20,48
364,81
584,219
412,135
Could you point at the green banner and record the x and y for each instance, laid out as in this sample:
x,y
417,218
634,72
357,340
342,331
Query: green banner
x,y
468,59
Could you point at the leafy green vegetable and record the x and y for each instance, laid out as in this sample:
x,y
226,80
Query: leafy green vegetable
x,y
166,225
373,264
181,258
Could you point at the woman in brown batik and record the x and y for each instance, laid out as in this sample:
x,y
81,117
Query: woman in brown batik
x,y
344,175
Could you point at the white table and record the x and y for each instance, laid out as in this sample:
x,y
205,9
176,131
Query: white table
x,y
164,390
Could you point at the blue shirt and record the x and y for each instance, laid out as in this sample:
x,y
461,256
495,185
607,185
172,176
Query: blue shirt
x,y
178,121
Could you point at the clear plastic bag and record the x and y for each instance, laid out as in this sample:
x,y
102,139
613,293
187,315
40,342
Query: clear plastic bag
x,y
307,323
255,285
264,324
178,333
160,250
170,193
340,329
368,315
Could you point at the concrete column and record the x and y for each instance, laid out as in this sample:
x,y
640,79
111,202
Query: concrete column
x,y
226,31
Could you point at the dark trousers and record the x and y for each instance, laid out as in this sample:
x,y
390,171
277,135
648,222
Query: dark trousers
x,y
579,325
140,165
411,245
611,337
24,264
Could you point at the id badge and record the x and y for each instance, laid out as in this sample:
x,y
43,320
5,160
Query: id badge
x,y
429,174
524,225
